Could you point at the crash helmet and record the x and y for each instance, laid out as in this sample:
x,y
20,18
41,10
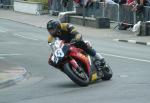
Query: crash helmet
x,y
53,27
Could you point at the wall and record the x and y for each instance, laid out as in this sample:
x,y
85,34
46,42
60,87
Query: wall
x,y
28,7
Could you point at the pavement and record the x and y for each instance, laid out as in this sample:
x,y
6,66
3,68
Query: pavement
x,y
11,73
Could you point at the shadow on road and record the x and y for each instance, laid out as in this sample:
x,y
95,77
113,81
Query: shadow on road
x,y
66,85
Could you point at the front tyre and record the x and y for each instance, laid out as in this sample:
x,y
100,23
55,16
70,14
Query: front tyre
x,y
82,80
107,72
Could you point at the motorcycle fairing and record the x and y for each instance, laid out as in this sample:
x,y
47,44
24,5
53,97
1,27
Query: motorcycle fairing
x,y
78,55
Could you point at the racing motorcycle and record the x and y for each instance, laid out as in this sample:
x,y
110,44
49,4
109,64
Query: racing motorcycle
x,y
76,64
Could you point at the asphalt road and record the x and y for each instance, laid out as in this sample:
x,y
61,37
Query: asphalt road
x,y
44,84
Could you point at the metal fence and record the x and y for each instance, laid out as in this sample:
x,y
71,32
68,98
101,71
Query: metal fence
x,y
126,14
115,12
6,3
147,13
57,5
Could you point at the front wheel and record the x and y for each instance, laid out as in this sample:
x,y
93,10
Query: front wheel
x,y
107,72
79,77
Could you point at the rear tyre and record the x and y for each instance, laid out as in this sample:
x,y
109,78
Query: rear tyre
x,y
68,69
107,72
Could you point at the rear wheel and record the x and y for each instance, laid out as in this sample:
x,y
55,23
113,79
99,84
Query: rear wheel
x,y
107,72
79,76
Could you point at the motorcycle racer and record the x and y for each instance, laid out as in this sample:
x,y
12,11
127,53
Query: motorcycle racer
x,y
68,33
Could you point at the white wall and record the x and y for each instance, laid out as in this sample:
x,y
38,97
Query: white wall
x,y
26,7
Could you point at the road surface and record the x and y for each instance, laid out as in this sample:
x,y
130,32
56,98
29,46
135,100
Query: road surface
x,y
27,47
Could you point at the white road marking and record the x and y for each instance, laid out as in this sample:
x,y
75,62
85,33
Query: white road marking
x,y
132,41
115,39
123,76
10,54
148,43
3,30
1,57
123,57
9,42
25,36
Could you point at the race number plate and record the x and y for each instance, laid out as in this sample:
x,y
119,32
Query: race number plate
x,y
58,54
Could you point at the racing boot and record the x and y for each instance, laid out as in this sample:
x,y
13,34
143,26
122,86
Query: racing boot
x,y
99,62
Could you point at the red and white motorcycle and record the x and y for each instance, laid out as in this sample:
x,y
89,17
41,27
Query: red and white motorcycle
x,y
76,64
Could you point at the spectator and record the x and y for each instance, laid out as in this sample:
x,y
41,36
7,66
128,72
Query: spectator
x,y
1,3
130,2
144,2
108,1
138,7
122,2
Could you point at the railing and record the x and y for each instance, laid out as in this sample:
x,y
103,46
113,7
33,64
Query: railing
x,y
56,5
126,14
147,13
115,12
6,3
